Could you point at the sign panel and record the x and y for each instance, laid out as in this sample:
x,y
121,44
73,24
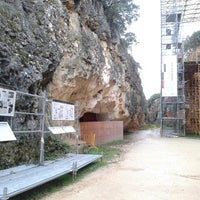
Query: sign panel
x,y
69,129
7,102
62,111
6,134
62,129
56,130
169,76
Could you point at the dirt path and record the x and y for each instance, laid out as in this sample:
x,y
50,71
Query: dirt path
x,y
153,168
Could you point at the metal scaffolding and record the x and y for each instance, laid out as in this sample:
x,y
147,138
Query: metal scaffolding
x,y
191,11
175,16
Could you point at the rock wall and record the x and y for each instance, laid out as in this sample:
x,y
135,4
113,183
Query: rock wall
x,y
66,48
153,116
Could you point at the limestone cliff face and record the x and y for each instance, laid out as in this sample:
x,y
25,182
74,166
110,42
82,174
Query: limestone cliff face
x,y
66,48
153,105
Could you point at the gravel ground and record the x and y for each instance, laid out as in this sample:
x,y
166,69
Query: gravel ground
x,y
152,168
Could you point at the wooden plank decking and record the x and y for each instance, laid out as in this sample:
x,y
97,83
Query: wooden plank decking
x,y
17,180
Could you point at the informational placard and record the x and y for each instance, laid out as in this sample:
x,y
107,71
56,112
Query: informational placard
x,y
6,134
62,111
7,102
62,129
69,129
56,130
169,76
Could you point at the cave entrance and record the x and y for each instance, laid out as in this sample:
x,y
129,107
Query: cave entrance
x,y
89,117
94,117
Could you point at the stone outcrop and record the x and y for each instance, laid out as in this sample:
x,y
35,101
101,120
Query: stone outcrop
x,y
66,48
153,104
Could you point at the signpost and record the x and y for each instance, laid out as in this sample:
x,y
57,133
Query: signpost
x,y
62,129
7,102
6,134
62,111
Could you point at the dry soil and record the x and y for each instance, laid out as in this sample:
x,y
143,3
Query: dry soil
x,y
152,168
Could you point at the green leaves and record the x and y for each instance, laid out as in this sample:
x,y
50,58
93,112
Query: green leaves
x,y
192,42
120,13
128,39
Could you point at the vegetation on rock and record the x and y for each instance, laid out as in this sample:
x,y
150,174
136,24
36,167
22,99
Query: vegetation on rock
x,y
121,13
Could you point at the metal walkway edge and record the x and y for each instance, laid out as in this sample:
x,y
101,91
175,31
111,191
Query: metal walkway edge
x,y
17,180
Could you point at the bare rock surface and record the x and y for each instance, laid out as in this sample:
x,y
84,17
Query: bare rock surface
x,y
66,48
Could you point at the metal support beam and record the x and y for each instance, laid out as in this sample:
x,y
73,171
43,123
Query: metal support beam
x,y
5,193
43,129
75,169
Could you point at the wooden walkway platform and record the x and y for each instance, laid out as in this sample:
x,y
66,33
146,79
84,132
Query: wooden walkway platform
x,y
17,180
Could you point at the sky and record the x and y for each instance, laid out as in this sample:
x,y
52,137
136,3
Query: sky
x,y
147,51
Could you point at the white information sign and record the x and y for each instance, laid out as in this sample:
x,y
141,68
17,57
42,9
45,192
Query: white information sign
x,y
169,79
7,102
62,111
62,129
69,129
6,134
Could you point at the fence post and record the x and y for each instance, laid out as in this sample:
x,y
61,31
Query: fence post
x,y
77,126
42,128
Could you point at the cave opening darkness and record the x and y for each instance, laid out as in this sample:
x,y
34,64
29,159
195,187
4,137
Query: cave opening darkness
x,y
94,117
